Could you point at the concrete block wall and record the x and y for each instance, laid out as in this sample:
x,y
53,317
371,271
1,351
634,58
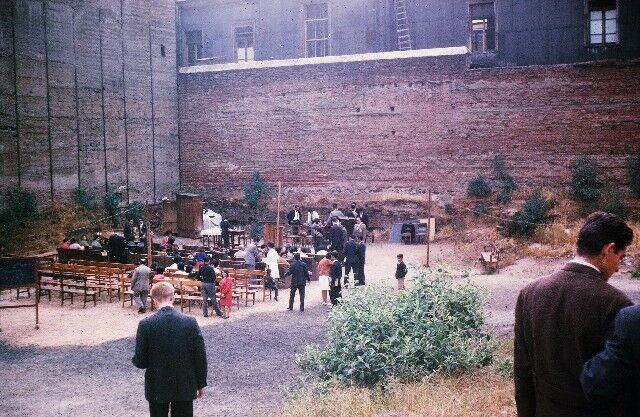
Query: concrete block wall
x,y
89,97
348,129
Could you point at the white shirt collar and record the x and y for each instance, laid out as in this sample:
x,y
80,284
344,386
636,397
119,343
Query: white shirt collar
x,y
581,261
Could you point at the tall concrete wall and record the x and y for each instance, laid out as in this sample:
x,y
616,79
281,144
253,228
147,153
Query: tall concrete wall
x,y
88,98
346,129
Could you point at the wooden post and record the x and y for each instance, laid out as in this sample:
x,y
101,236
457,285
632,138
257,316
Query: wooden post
x,y
428,227
278,236
149,245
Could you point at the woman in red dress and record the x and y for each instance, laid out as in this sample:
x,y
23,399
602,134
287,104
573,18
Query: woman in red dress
x,y
225,291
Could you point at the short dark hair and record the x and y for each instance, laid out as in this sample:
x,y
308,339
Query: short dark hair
x,y
335,254
181,266
271,245
296,256
601,229
328,255
335,205
73,240
400,256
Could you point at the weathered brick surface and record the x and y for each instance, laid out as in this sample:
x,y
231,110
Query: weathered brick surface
x,y
405,124
72,128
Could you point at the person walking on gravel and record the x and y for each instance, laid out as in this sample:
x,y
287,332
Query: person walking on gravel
x,y
140,285
170,347
299,276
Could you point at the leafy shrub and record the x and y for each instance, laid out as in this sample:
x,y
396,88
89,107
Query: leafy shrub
x,y
615,204
584,180
504,367
135,211
533,212
635,274
21,206
255,190
111,203
480,208
450,209
378,334
84,199
479,187
508,184
633,170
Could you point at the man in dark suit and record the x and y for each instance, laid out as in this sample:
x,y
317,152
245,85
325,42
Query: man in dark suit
x,y
170,347
335,289
337,237
362,254
351,260
299,276
294,218
614,374
563,319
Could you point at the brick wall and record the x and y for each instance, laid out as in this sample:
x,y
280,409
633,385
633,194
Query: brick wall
x,y
87,99
407,124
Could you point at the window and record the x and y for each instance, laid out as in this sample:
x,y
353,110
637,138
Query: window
x,y
244,43
316,30
483,27
194,46
603,22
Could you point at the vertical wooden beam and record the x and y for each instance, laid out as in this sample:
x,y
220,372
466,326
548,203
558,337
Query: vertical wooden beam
x,y
104,123
124,100
45,7
75,88
14,16
153,115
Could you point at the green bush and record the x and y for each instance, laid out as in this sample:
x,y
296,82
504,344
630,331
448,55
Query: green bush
x,y
615,204
21,206
633,170
480,208
135,211
378,334
111,203
584,180
479,187
508,184
450,209
257,231
84,199
255,190
534,211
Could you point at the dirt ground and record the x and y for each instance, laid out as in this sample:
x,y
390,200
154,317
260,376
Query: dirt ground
x,y
79,361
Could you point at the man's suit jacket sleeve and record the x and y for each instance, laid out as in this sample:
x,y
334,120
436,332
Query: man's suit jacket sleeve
x,y
607,374
199,356
140,358
522,366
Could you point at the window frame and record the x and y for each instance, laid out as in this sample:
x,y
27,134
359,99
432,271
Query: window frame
x,y
316,40
199,46
240,24
587,18
470,34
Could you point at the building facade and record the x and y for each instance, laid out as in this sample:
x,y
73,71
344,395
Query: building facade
x,y
88,98
497,32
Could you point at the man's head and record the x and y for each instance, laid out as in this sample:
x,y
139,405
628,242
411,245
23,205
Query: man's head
x,y
73,240
181,266
142,261
353,206
130,221
334,254
603,240
162,293
256,241
400,257
358,220
296,256
328,255
296,207
351,237
335,206
271,245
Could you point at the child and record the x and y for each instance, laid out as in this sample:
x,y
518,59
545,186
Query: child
x,y
270,283
335,288
225,294
401,272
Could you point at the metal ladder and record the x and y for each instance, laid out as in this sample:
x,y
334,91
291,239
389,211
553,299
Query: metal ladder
x,y
402,25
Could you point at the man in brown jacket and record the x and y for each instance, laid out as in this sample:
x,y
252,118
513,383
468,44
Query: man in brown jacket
x,y
563,319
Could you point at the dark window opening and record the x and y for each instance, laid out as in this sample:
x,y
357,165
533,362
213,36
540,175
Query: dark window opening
x,y
163,51
603,22
244,39
482,27
194,46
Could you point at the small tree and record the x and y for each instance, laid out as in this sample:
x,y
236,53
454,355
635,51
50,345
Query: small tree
x,y
111,203
584,180
507,182
135,211
255,191
615,204
479,187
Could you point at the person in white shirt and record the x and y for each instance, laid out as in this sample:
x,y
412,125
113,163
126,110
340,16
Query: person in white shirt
x,y
272,260
75,245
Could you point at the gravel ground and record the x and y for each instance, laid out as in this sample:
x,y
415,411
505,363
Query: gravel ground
x,y
249,361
